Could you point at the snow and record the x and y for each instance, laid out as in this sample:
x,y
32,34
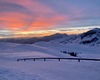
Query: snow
x,y
50,70
10,69
78,48
91,38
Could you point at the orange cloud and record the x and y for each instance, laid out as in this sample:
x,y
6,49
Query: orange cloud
x,y
46,23
19,21
40,17
11,20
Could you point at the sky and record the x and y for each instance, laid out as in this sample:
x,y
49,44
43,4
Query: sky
x,y
26,18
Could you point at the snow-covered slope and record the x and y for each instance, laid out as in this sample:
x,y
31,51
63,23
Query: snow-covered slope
x,y
10,69
47,49
49,70
16,51
81,50
91,37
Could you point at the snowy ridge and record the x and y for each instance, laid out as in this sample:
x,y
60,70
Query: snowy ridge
x,y
91,37
33,39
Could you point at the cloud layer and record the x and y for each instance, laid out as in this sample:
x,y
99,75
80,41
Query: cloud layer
x,y
31,15
27,15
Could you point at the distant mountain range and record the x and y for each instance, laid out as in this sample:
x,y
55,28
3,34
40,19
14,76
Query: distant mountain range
x,y
34,39
91,37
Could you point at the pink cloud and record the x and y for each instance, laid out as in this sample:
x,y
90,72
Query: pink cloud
x,y
37,19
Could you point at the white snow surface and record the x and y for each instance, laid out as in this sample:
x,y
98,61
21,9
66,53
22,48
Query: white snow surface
x,y
10,69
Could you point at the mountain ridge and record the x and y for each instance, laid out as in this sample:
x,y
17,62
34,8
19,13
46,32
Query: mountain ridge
x,y
34,39
91,37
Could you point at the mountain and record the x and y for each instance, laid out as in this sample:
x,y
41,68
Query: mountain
x,y
34,39
91,37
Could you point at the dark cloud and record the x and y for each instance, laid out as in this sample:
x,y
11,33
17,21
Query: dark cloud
x,y
12,7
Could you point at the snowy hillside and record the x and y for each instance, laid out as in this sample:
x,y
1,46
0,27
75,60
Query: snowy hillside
x,y
15,51
81,50
91,37
10,69
47,49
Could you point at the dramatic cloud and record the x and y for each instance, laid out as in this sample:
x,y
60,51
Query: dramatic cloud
x,y
33,15
27,14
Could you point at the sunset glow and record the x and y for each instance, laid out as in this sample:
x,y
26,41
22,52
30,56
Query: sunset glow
x,y
35,18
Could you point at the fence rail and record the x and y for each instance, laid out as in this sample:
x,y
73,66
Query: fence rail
x,y
59,59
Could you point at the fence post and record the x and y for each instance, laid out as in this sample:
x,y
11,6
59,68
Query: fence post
x,y
58,59
24,59
78,60
17,59
44,59
33,59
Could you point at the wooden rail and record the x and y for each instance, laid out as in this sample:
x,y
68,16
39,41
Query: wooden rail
x,y
59,59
